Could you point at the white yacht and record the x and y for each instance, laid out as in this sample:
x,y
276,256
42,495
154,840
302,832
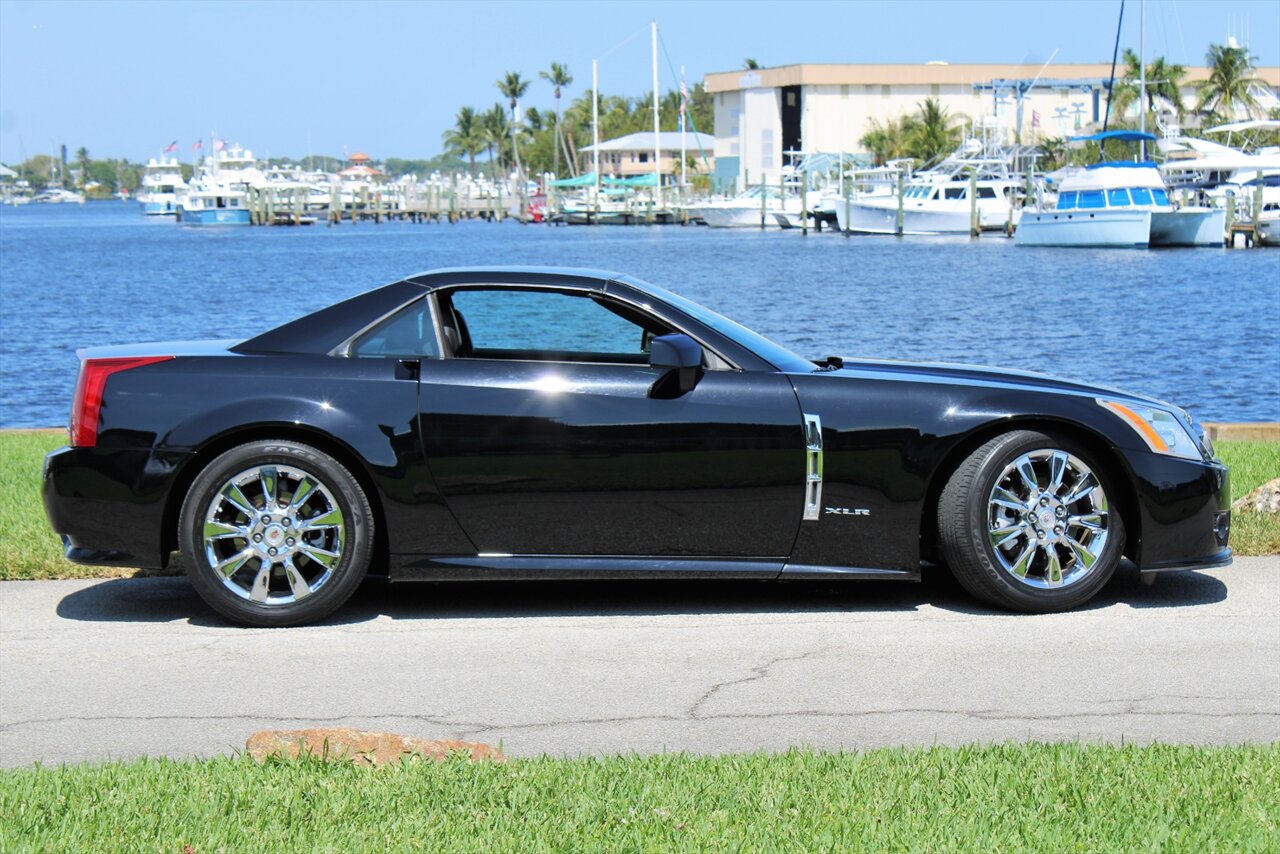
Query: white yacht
x,y
1248,181
1119,204
748,209
57,196
235,167
162,183
210,202
937,201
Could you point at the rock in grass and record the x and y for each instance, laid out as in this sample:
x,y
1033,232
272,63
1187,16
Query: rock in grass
x,y
360,747
1264,499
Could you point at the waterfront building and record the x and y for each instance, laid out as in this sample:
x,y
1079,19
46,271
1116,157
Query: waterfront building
x,y
762,113
632,154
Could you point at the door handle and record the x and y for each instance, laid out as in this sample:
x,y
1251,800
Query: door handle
x,y
408,369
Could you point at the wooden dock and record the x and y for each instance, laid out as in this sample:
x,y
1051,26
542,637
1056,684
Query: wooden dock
x,y
276,206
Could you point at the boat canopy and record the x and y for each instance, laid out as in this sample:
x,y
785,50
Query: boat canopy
x,y
1253,124
1119,135
1122,164
587,179
1107,176
646,180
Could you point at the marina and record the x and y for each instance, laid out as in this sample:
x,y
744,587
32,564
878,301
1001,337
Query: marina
x,y
120,276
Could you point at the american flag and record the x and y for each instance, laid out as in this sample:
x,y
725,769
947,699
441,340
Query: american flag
x,y
219,144
172,147
684,93
197,145
1035,119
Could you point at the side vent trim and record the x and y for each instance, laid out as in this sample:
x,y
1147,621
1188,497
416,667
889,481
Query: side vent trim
x,y
813,467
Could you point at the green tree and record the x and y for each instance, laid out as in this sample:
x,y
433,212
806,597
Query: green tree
x,y
467,136
513,87
1164,80
888,140
934,132
82,165
494,123
559,77
1227,90
749,64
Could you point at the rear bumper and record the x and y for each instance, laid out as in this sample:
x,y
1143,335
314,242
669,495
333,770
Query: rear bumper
x,y
1185,513
108,505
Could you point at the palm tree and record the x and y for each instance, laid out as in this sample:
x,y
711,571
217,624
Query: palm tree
x,y
749,64
514,88
493,125
558,77
1230,79
466,137
888,140
1125,90
935,132
1164,81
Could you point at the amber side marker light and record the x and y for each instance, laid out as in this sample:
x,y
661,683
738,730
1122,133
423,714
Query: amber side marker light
x,y
87,404
1147,431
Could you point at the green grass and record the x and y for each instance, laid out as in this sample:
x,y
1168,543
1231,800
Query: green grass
x,y
28,549
1060,798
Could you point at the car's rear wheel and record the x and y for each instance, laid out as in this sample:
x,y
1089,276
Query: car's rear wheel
x,y
1026,522
275,533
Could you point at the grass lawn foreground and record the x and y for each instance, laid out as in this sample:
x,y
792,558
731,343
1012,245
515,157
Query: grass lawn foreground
x,y
29,549
1037,797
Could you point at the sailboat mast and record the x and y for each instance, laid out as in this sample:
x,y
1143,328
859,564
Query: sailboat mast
x,y
1142,76
595,122
683,157
657,166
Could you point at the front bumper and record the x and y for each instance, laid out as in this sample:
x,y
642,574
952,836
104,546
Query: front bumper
x,y
108,505
1184,512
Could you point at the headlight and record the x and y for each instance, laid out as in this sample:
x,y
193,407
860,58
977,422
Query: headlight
x,y
1162,430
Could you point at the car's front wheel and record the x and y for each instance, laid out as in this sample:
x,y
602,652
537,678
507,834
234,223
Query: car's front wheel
x,y
275,533
1027,522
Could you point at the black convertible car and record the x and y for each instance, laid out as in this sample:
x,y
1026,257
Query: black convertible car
x,y
548,423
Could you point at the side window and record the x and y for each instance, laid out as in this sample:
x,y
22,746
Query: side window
x,y
957,192
406,334
546,325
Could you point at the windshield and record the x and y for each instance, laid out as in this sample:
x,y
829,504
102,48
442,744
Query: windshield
x,y
775,354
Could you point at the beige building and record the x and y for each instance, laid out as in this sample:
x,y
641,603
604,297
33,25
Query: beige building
x,y
759,114
632,154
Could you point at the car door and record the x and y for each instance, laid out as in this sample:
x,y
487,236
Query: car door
x,y
548,433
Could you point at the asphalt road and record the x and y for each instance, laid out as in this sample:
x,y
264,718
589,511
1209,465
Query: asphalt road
x,y
121,668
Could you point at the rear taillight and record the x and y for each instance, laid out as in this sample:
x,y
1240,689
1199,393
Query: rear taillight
x,y
89,388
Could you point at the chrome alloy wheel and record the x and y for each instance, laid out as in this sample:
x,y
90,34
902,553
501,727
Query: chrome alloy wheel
x,y
273,534
1047,519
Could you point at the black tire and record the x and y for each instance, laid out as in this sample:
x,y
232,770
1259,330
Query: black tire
x,y
325,563
971,515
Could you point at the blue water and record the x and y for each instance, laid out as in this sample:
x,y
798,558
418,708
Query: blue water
x,y
1197,327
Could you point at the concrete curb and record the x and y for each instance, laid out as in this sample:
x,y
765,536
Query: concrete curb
x,y
1250,431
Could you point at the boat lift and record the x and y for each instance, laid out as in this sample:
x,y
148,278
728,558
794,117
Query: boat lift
x,y
1003,88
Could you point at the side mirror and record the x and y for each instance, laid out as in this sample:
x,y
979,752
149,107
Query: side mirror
x,y
679,353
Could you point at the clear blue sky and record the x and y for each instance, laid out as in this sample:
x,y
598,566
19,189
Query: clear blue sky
x,y
127,78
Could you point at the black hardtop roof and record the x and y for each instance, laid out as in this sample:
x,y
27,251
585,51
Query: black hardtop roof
x,y
322,330
579,276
